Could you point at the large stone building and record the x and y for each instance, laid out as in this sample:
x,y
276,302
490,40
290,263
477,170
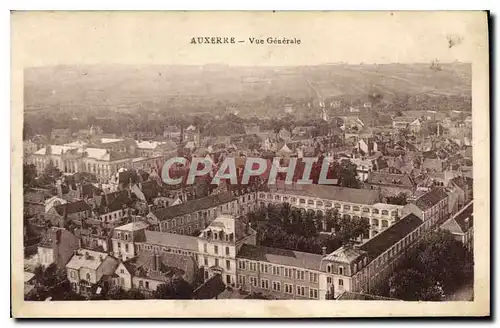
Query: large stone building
x,y
350,203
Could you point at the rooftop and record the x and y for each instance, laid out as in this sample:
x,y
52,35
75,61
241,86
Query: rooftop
x,y
430,199
193,206
383,241
85,258
171,240
133,226
280,256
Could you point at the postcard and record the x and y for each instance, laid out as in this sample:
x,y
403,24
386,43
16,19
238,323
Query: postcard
x,y
250,164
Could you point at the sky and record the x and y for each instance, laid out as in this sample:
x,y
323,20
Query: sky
x,y
44,38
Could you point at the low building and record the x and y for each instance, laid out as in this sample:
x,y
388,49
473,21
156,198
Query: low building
x,y
432,207
461,226
390,184
57,247
87,270
149,270
193,215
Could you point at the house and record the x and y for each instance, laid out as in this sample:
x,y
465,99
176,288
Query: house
x,y
461,226
466,187
367,145
193,215
148,270
432,207
225,235
34,201
124,238
90,270
77,211
57,246
390,184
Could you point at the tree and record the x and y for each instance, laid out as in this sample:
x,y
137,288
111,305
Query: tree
x,y
400,199
50,174
407,284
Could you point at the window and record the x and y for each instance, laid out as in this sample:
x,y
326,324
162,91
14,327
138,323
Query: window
x,y
347,207
375,222
228,279
277,286
375,211
126,248
341,282
288,272
329,280
216,262
385,224
301,290
264,283
241,265
228,264
300,275
366,210
205,260
310,202
241,280
263,268
122,282
147,284
87,276
253,266
216,249
205,248
288,288
253,281
319,203
276,270
313,293
341,270
385,212
227,250
356,208
119,245
173,223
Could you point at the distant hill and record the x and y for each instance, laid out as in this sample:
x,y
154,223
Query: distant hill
x,y
127,87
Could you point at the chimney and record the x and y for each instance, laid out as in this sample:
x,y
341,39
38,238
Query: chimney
x,y
323,250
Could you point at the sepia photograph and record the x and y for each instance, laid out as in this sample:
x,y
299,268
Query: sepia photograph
x,y
250,164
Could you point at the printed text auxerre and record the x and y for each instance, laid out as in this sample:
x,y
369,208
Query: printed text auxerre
x,y
250,40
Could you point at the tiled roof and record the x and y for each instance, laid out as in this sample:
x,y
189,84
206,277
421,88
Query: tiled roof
x,y
71,208
357,196
210,288
143,265
344,254
189,243
385,240
379,178
280,256
87,259
133,226
430,199
193,206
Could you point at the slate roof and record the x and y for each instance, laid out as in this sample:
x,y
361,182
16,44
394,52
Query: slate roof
x,y
280,256
93,261
344,254
210,288
430,199
193,206
189,243
143,265
71,208
383,241
379,178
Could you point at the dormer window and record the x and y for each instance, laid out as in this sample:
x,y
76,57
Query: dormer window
x,y
329,268
341,270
